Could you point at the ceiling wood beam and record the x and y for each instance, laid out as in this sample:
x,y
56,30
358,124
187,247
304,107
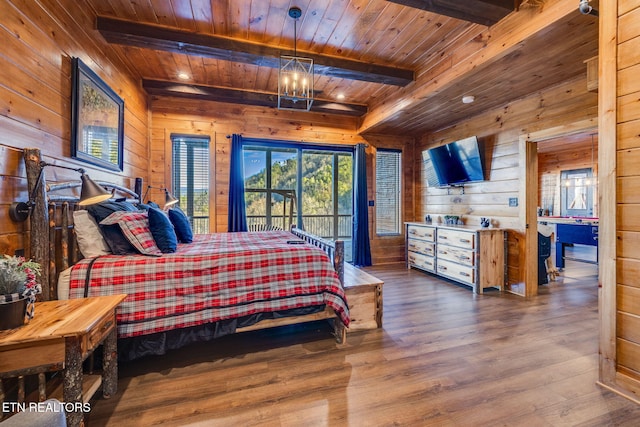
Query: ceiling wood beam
x,y
485,12
505,38
156,37
236,96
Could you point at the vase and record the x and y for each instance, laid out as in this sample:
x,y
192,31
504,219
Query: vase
x,y
12,313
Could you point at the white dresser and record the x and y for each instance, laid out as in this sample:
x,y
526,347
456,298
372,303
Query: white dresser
x,y
473,256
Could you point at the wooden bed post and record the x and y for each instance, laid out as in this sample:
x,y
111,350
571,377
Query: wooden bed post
x,y
335,250
338,260
39,218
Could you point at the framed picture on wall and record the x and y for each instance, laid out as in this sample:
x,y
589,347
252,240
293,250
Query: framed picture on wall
x,y
97,119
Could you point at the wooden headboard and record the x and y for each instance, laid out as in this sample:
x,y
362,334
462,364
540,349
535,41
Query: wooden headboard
x,y
52,236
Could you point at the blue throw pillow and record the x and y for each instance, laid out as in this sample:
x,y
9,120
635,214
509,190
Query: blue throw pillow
x,y
118,244
146,206
102,210
162,231
112,234
181,224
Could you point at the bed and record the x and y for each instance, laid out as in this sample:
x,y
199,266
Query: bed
x,y
219,284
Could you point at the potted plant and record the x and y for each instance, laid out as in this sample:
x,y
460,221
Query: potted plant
x,y
18,290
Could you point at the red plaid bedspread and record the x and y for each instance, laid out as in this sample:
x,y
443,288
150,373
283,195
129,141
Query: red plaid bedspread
x,y
218,276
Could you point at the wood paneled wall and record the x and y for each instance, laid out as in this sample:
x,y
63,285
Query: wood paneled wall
x,y
500,130
217,120
620,122
39,38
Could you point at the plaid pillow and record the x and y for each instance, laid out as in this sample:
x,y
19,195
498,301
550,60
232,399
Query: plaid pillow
x,y
135,227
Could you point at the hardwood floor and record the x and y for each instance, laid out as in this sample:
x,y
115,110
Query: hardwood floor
x,y
444,357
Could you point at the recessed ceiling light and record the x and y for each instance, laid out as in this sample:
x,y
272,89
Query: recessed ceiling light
x,y
340,96
183,76
468,99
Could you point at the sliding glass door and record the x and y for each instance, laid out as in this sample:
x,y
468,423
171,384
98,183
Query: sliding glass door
x,y
327,193
312,188
270,182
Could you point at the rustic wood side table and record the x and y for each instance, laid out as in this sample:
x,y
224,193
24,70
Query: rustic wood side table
x,y
60,337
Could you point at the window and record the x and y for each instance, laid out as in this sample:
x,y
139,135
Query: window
x,y
270,186
308,186
577,192
388,184
191,178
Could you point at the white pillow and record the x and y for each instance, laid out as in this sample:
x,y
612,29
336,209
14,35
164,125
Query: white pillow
x,y
90,240
64,279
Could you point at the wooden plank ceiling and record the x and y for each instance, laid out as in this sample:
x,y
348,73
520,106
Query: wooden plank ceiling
x,y
365,50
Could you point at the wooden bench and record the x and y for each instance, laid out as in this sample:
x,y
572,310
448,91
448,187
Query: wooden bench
x,y
364,295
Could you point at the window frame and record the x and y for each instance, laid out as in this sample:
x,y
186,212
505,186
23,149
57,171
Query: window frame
x,y
205,161
301,148
399,229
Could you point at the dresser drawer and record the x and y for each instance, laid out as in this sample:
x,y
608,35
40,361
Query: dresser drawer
x,y
421,246
421,261
459,255
99,332
461,273
461,239
424,233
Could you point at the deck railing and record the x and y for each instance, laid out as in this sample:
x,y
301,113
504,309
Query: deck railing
x,y
321,225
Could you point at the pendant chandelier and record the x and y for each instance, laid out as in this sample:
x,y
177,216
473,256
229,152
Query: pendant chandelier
x,y
295,77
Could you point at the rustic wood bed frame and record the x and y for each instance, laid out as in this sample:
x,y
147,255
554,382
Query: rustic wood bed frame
x,y
53,240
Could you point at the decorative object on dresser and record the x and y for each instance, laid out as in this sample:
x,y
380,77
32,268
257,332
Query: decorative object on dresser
x,y
473,256
452,219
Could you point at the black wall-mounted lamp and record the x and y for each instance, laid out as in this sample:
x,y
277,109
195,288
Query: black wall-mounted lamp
x,y
90,193
169,199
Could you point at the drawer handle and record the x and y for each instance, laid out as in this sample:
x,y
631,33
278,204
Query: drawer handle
x,y
442,268
462,273
442,237
107,325
412,231
465,241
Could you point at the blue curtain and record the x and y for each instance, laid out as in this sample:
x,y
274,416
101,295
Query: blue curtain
x,y
237,211
361,246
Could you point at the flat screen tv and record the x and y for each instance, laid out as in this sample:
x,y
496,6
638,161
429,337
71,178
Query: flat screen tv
x,y
455,163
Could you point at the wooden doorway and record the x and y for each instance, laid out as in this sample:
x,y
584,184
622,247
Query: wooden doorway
x,y
529,193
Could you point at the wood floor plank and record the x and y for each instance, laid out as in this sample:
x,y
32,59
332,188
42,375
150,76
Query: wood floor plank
x,y
444,357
